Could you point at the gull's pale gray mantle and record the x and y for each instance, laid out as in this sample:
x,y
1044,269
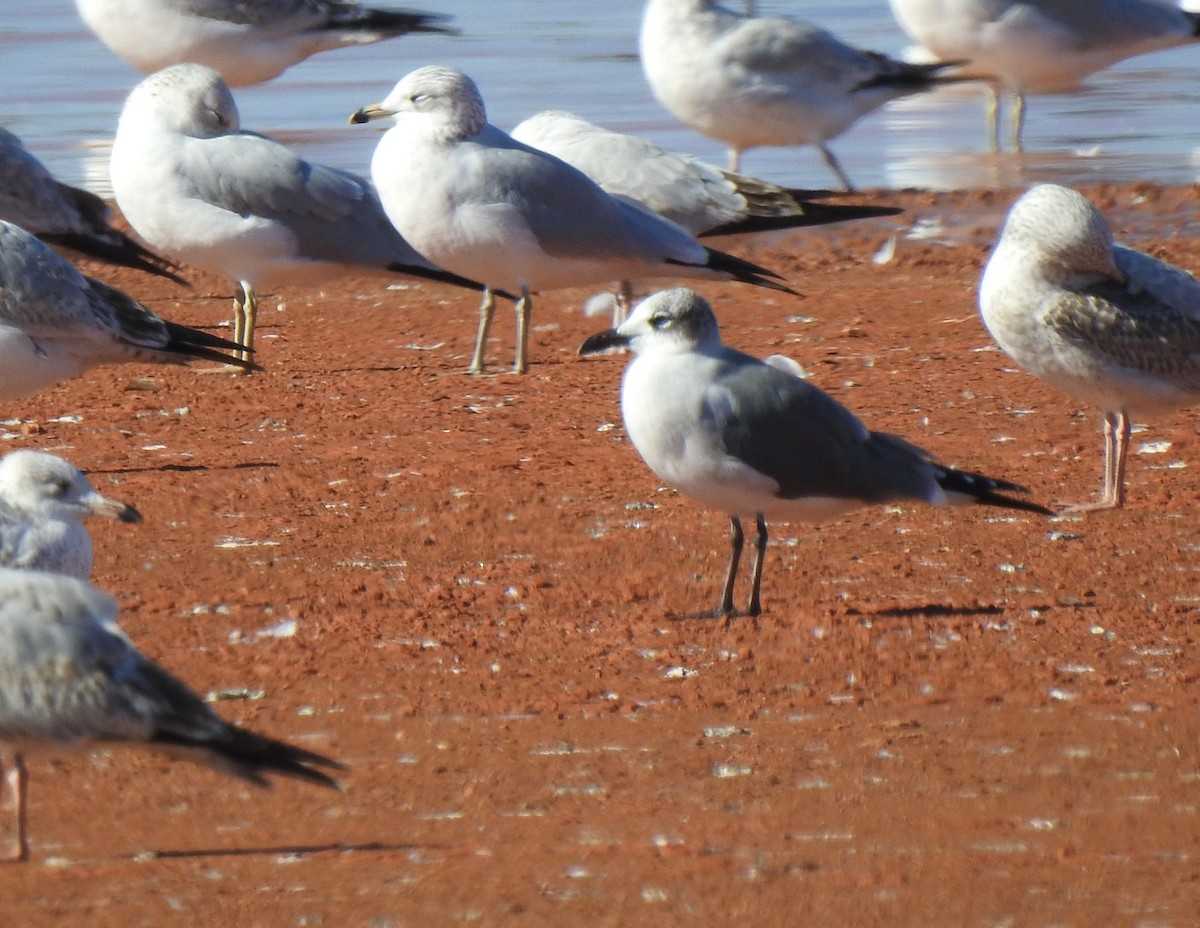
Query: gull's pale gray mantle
x,y
43,502
197,187
248,42
478,202
31,198
70,681
1108,325
750,81
746,437
56,323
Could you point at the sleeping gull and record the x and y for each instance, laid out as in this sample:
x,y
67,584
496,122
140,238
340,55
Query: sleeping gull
x,y
65,215
55,323
702,198
236,204
43,502
751,81
1041,46
1108,325
750,438
472,199
247,42
70,681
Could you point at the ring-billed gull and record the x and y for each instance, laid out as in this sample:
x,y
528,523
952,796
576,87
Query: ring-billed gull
x,y
701,197
1041,46
750,81
55,323
1106,324
70,681
43,502
247,42
65,215
472,199
196,186
746,437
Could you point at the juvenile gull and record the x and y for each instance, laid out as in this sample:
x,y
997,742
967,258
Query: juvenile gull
x,y
474,200
750,81
43,502
196,186
702,198
247,42
63,215
70,681
750,438
1110,326
55,323
1041,46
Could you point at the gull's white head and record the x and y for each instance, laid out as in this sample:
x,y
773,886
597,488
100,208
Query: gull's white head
x,y
668,322
44,486
445,99
188,98
1060,232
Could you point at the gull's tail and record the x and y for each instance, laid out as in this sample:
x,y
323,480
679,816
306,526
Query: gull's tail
x,y
988,491
741,270
910,78
383,24
773,207
116,248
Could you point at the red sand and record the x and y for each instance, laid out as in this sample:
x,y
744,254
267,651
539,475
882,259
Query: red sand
x,y
945,718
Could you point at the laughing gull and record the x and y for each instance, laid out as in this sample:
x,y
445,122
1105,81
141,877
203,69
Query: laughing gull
x,y
701,197
750,81
472,199
55,323
1106,324
745,437
70,681
236,204
63,215
247,42
1041,46
43,502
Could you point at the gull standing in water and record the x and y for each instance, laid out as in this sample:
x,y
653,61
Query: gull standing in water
x,y
55,323
747,437
701,197
1041,46
43,502
242,206
248,42
70,681
750,81
1106,324
63,215
474,200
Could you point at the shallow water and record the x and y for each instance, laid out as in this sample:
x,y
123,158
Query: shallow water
x,y
61,91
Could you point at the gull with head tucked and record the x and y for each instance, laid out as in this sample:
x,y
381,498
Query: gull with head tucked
x,y
43,502
248,42
750,81
71,682
196,186
1108,325
751,438
474,200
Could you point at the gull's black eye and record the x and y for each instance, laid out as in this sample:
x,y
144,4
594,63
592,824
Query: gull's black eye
x,y
660,322
59,487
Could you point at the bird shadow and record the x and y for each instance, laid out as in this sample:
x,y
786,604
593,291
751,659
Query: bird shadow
x,y
185,468
196,853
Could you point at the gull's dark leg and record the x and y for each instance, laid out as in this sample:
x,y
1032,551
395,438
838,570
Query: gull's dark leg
x,y
736,540
760,552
